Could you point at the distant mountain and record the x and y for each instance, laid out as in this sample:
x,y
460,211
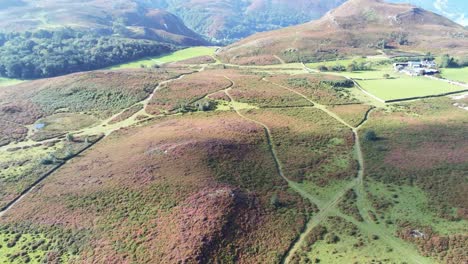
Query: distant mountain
x,y
457,10
227,20
358,27
130,19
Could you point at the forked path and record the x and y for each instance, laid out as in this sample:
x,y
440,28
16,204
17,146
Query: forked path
x,y
330,206
326,208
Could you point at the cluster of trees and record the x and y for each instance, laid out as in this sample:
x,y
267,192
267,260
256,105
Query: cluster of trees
x,y
51,53
448,61
353,66
242,25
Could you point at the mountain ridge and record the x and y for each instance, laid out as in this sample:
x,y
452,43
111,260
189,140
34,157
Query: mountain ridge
x,y
351,29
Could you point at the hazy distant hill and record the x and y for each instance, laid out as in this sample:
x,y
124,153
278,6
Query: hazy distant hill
x,y
49,38
226,20
127,18
358,27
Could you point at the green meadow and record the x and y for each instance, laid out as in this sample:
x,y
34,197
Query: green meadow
x,y
456,74
407,87
7,81
172,57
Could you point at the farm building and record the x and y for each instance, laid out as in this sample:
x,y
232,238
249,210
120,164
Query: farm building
x,y
417,68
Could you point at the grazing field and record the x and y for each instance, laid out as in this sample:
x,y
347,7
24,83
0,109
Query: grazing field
x,y
376,74
6,81
407,87
457,74
345,62
59,124
179,55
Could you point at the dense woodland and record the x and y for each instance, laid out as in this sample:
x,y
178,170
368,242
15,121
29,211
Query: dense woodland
x,y
44,53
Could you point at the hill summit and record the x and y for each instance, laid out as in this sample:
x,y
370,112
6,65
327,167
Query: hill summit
x,y
358,27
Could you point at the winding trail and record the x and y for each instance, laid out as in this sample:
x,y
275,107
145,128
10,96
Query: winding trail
x,y
329,208
357,184
325,208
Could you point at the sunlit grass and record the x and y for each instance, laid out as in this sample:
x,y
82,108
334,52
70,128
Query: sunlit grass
x,y
172,57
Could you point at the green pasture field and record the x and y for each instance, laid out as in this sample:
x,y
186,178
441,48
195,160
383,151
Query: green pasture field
x,y
8,81
344,62
406,87
456,74
172,57
371,75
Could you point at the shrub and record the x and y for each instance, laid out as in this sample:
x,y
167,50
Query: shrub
x,y
206,105
322,68
70,137
49,160
339,83
274,201
370,135
448,61
339,68
332,238
386,76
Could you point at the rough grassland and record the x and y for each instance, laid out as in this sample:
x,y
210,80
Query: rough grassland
x,y
340,241
173,57
183,93
458,74
407,87
145,192
312,146
421,144
62,123
21,168
317,87
251,89
352,114
95,94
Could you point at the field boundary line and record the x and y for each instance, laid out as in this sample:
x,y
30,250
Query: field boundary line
x,y
31,187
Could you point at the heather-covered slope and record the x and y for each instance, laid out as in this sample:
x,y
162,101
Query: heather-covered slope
x,y
358,27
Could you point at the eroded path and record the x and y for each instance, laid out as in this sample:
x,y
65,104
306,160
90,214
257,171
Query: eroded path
x,y
357,184
327,208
